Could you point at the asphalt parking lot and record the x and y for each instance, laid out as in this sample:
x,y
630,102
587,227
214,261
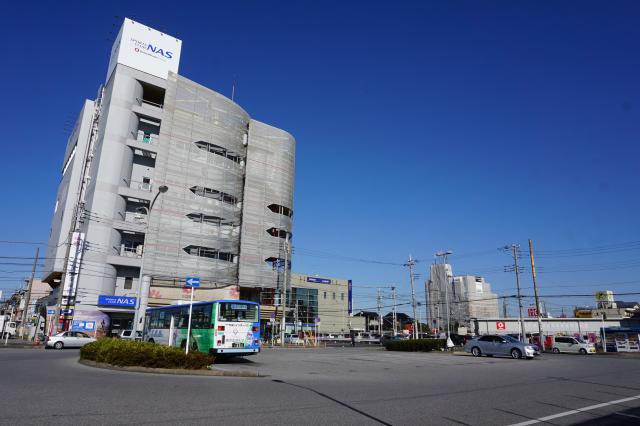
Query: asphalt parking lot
x,y
359,385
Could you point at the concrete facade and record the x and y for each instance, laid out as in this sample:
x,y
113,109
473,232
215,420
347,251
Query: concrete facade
x,y
331,296
224,172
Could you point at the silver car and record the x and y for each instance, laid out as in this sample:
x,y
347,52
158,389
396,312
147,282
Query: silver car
x,y
69,339
491,345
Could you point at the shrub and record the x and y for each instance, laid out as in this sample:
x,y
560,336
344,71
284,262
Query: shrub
x,y
124,353
417,345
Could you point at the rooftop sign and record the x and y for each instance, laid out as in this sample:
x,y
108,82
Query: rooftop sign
x,y
145,49
318,280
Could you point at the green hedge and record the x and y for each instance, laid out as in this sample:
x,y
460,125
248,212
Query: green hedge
x,y
418,345
125,353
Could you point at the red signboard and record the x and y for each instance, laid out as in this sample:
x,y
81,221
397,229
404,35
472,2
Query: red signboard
x,y
500,325
532,311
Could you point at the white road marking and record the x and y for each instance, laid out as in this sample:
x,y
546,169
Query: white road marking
x,y
577,411
628,415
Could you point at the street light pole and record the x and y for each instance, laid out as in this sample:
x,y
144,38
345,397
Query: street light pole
x,y
137,316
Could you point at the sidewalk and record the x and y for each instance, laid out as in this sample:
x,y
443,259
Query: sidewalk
x,y
20,344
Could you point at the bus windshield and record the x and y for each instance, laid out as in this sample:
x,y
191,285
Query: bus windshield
x,y
242,312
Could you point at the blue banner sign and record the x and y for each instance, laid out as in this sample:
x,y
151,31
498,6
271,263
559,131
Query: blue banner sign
x,y
239,307
120,301
318,280
83,325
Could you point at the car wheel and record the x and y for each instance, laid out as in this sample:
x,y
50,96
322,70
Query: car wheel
x,y
476,351
556,350
516,354
58,345
183,344
194,346
583,351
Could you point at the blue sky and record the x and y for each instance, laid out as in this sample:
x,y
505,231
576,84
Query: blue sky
x,y
461,125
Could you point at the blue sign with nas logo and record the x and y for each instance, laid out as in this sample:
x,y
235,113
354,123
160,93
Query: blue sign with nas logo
x,y
119,301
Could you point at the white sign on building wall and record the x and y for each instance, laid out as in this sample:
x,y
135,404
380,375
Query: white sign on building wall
x,y
145,49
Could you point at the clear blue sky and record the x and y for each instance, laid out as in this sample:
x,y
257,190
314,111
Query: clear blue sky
x,y
461,125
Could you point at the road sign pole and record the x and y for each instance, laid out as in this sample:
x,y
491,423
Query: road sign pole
x,y
189,325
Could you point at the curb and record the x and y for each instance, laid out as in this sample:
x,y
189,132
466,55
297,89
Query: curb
x,y
22,347
172,371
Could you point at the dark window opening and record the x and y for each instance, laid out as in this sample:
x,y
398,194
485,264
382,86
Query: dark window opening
x,y
276,232
276,263
277,208
212,220
152,95
218,150
214,194
128,283
209,252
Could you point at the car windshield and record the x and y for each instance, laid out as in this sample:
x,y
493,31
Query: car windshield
x,y
511,339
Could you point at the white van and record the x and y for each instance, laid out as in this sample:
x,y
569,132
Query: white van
x,y
570,344
7,327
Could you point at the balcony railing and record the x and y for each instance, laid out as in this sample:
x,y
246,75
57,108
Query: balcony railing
x,y
143,186
144,101
145,137
128,251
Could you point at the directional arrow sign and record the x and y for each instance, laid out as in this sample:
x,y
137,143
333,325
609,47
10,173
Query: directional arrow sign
x,y
192,281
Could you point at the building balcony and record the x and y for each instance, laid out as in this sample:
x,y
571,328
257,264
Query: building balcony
x,y
135,189
144,141
130,221
148,108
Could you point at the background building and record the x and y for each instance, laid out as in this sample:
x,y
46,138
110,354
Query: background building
x,y
473,298
468,296
325,302
165,178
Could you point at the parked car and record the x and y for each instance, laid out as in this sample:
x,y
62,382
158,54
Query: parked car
x,y
491,345
572,345
128,334
69,339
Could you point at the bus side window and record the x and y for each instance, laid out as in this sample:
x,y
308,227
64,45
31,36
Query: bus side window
x,y
184,317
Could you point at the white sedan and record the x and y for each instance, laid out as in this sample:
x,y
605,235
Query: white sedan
x,y
69,339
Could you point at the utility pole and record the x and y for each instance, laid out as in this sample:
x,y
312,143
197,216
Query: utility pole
x,y
284,292
379,300
504,308
427,309
535,292
29,287
514,251
410,264
395,319
445,280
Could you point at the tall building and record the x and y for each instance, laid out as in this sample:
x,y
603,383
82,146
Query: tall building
x,y
162,179
474,299
468,297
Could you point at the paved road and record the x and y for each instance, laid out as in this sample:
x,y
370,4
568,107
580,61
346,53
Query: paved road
x,y
326,386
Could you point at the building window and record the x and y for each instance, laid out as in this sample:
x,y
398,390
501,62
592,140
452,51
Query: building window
x,y
334,296
277,208
276,232
212,220
218,150
213,194
341,296
208,252
128,283
325,295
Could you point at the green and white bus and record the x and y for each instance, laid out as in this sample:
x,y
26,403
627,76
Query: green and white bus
x,y
219,327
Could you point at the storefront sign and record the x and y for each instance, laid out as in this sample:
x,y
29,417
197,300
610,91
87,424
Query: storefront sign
x,y
120,301
318,280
